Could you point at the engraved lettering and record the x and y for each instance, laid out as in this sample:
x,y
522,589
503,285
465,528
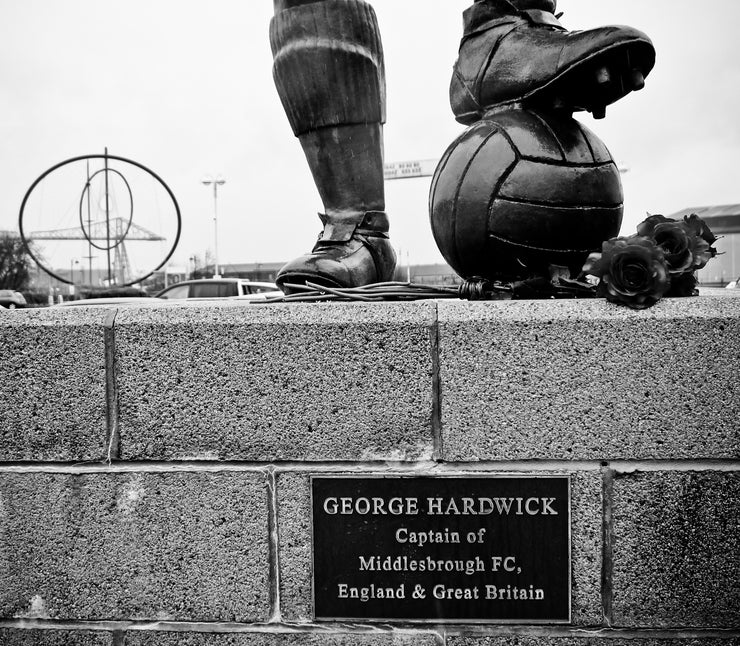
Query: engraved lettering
x,y
372,591
512,593
440,591
403,535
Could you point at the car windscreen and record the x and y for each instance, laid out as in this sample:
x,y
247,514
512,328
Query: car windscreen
x,y
260,289
179,291
213,290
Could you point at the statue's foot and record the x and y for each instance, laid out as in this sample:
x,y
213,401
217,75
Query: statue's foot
x,y
363,258
519,56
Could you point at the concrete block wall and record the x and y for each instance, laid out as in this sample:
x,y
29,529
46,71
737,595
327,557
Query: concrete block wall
x,y
155,462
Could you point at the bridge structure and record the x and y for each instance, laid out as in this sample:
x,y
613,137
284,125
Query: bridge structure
x,y
114,233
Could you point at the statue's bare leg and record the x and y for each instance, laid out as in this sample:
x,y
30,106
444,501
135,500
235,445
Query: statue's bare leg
x,y
329,73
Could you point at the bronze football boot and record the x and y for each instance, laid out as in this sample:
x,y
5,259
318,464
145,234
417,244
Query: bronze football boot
x,y
329,73
517,52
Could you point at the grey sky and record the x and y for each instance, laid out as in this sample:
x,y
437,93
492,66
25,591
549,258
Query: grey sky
x,y
186,89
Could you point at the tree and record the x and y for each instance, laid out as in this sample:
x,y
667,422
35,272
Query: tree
x,y
201,264
15,262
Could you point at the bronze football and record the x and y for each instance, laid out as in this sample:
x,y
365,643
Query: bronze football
x,y
521,190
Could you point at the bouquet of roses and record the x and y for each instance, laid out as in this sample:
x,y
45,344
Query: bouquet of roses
x,y
660,260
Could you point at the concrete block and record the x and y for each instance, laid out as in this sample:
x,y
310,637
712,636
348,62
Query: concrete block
x,y
37,637
272,639
586,548
590,380
295,548
52,387
276,382
676,549
596,640
154,546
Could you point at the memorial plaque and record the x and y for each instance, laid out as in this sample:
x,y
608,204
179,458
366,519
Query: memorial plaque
x,y
453,549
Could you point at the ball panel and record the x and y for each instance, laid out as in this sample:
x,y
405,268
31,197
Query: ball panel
x,y
600,151
576,149
545,183
552,227
445,186
510,262
473,199
438,173
507,212
529,133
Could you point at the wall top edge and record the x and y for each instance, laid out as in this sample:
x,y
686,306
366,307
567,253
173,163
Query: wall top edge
x,y
711,304
374,469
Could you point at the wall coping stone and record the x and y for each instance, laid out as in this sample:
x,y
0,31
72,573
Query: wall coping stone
x,y
443,380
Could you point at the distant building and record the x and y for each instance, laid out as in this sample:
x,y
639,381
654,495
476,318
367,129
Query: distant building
x,y
437,274
258,271
724,221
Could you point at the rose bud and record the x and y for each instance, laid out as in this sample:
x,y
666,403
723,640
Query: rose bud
x,y
700,228
703,240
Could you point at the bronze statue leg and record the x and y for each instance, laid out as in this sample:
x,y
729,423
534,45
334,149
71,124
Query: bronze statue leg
x,y
329,74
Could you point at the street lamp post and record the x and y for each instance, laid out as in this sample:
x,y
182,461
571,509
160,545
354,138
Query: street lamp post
x,y
72,264
219,181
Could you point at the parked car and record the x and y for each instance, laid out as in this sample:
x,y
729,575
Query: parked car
x,y
220,288
205,289
11,299
112,300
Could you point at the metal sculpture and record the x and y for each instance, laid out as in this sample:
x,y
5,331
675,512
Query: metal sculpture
x,y
527,187
521,190
515,54
109,234
329,73
516,51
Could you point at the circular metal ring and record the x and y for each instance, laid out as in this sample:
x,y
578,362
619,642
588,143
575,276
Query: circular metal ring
x,y
86,191
106,156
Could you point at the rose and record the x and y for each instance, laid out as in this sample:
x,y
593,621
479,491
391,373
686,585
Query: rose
x,y
661,260
687,244
704,253
678,244
700,228
647,226
631,271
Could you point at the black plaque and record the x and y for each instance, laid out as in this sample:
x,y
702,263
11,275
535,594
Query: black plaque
x,y
453,549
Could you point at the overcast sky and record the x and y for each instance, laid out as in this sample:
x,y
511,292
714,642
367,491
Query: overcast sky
x,y
186,89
